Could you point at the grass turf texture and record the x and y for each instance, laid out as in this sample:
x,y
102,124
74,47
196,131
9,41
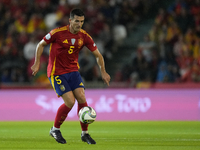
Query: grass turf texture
x,y
108,135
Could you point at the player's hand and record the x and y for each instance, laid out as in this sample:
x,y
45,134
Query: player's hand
x,y
35,69
105,77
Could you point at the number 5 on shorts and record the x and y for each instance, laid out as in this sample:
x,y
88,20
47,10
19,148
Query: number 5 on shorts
x,y
58,80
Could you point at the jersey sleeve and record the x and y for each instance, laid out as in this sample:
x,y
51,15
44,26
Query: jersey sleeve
x,y
89,43
49,38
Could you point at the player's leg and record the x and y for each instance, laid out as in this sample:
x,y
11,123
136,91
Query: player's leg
x,y
61,115
64,109
60,85
77,87
80,97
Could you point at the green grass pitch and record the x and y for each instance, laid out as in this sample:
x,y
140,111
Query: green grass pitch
x,y
135,135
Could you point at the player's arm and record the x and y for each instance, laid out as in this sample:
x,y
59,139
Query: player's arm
x,y
100,61
39,51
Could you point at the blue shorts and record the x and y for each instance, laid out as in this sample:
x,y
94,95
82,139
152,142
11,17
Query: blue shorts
x,y
66,82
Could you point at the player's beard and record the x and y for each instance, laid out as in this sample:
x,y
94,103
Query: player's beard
x,y
78,28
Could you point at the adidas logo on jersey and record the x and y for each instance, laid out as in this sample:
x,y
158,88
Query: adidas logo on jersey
x,y
65,41
81,84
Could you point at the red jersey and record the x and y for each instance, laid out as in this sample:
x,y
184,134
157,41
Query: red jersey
x,y
65,48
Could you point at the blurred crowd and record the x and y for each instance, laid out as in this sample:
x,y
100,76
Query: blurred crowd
x,y
23,23
170,51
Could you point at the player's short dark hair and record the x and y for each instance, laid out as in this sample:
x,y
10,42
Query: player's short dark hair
x,y
77,12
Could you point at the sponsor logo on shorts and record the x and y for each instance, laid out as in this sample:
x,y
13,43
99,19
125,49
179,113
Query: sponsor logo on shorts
x,y
81,84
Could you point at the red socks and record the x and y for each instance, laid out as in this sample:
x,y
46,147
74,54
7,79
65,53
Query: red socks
x,y
61,115
84,127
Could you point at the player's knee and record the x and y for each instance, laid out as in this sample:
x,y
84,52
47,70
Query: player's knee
x,y
69,103
81,99
80,95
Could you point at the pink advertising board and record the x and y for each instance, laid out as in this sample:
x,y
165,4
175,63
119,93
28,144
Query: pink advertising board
x,y
110,105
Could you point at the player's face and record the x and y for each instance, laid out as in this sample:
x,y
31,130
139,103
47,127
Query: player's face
x,y
76,23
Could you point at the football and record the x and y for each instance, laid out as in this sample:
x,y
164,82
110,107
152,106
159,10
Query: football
x,y
87,115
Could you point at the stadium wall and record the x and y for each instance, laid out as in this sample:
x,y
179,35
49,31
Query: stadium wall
x,y
110,104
